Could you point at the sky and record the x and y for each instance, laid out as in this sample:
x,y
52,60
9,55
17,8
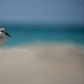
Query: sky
x,y
46,11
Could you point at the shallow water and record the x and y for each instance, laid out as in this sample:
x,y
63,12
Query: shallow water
x,y
22,34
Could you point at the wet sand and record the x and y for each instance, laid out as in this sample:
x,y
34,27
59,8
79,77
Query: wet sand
x,y
41,64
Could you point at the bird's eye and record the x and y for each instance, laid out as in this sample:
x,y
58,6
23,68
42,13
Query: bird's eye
x,y
2,31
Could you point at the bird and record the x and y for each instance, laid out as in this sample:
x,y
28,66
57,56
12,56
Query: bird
x,y
3,33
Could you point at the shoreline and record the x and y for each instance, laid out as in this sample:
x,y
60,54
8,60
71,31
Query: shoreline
x,y
45,44
45,47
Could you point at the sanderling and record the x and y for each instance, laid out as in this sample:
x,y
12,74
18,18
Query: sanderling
x,y
3,34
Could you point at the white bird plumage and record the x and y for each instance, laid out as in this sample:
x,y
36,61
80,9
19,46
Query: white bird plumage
x,y
3,34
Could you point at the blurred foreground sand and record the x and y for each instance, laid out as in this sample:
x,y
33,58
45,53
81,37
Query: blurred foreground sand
x,y
40,64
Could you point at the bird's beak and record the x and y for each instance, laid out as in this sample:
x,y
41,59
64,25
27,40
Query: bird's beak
x,y
7,34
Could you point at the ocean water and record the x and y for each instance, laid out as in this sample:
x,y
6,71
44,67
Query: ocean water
x,y
26,34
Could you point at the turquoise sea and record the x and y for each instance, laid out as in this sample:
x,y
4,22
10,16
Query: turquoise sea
x,y
23,33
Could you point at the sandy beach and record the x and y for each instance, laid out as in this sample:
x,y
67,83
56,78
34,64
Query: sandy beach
x,y
42,64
